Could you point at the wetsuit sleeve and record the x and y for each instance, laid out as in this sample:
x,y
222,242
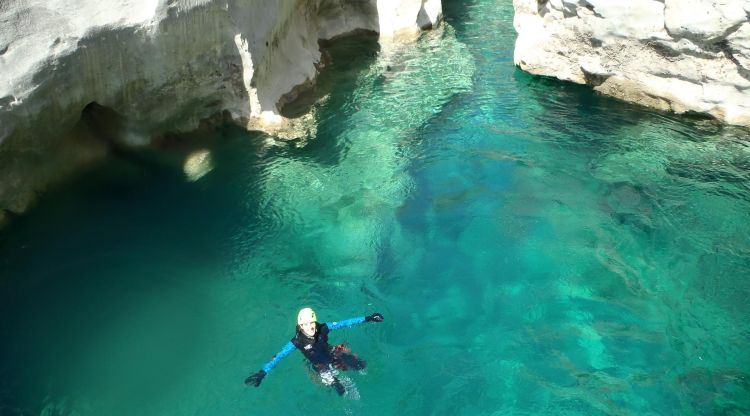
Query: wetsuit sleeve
x,y
346,323
288,348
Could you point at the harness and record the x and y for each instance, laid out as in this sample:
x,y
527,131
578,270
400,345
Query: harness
x,y
319,353
315,348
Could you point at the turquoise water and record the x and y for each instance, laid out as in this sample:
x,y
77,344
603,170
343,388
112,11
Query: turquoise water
x,y
535,249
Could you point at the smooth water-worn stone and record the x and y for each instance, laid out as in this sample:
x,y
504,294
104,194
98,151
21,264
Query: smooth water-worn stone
x,y
676,55
705,21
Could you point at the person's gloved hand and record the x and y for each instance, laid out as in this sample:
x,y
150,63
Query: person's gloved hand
x,y
256,378
376,317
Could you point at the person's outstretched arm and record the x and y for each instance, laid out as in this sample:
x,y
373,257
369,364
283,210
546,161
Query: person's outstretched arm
x,y
256,378
346,323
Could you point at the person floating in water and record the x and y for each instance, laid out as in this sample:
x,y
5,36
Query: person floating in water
x,y
312,339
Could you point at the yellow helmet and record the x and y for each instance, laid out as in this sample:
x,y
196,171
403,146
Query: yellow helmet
x,y
306,315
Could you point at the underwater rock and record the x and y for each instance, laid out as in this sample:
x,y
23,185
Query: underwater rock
x,y
198,164
676,55
163,65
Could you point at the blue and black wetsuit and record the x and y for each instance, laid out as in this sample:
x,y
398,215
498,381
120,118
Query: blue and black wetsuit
x,y
323,358
316,349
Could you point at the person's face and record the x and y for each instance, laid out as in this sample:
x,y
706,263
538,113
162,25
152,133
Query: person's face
x,y
308,328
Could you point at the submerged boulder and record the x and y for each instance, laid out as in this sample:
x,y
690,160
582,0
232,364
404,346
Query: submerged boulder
x,y
677,55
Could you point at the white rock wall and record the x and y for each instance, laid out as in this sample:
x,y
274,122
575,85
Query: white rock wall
x,y
678,55
163,64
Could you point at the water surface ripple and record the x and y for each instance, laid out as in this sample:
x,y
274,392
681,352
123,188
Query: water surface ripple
x,y
536,249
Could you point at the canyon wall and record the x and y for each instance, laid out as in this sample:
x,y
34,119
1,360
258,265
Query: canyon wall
x,y
675,55
150,66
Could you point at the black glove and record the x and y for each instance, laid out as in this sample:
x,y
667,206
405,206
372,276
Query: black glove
x,y
376,317
256,378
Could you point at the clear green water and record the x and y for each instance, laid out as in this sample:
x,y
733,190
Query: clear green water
x,y
534,247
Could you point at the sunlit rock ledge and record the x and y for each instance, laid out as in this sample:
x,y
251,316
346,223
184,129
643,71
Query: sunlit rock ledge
x,y
677,55
161,65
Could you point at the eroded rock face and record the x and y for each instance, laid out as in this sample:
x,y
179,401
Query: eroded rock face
x,y
678,55
162,65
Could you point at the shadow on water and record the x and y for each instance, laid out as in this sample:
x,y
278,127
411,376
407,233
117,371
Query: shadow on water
x,y
458,14
105,243
579,116
343,60
566,105
98,249
585,122
330,97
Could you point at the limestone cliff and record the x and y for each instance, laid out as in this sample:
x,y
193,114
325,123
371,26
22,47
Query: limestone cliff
x,y
160,64
678,55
